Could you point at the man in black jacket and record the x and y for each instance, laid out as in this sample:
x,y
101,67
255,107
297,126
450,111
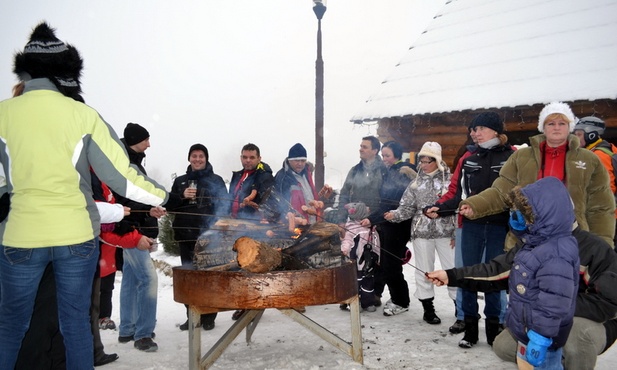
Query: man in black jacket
x,y
138,293
250,186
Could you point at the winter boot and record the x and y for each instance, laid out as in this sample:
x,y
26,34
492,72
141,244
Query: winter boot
x,y
471,332
429,312
459,325
493,328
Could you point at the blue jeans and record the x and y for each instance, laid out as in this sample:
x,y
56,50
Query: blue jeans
x,y
481,243
21,270
138,294
458,262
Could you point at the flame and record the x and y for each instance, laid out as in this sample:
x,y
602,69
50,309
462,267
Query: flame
x,y
297,231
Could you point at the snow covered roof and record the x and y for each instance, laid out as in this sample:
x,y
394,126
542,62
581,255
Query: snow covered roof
x,y
479,54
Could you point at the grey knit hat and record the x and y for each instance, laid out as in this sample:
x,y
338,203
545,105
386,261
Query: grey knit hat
x,y
357,211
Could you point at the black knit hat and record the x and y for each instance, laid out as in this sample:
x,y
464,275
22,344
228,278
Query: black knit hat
x,y
297,152
134,133
490,120
198,147
46,56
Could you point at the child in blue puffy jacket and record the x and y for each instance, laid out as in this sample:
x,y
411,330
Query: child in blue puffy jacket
x,y
543,275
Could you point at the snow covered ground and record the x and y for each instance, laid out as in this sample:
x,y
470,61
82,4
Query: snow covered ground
x,y
398,342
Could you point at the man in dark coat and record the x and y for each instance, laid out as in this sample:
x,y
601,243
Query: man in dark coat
x,y
138,296
206,199
250,186
294,184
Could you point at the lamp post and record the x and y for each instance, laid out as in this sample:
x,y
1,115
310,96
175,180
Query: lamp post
x,y
319,8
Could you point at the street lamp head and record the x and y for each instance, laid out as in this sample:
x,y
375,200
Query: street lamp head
x,y
319,7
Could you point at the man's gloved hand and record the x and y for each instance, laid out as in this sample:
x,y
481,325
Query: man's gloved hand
x,y
536,348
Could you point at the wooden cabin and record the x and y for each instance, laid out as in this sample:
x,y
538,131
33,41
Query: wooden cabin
x,y
509,56
450,129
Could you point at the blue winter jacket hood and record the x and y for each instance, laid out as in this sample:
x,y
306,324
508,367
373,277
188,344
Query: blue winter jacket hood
x,y
543,280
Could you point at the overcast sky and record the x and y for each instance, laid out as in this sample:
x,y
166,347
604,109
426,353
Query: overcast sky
x,y
225,73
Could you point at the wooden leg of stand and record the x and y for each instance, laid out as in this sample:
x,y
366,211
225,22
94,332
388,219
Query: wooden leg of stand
x,y
194,339
356,331
250,328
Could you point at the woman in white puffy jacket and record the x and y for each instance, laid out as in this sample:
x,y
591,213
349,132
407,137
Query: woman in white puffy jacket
x,y
428,235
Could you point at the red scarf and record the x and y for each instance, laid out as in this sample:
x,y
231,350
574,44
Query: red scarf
x,y
235,207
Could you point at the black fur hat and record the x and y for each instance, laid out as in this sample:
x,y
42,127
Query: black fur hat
x,y
46,56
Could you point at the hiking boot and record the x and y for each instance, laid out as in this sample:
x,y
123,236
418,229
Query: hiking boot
x,y
185,326
431,318
106,323
458,327
429,312
391,309
129,338
125,339
377,301
106,359
236,315
208,325
146,345
471,333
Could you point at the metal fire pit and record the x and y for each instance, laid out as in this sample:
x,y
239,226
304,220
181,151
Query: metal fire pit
x,y
213,291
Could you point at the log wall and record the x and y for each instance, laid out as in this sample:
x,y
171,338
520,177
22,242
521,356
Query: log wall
x,y
450,129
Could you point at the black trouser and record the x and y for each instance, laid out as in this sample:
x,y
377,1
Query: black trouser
x,y
107,290
393,239
95,306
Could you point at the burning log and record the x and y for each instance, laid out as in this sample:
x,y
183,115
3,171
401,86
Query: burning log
x,y
256,256
319,237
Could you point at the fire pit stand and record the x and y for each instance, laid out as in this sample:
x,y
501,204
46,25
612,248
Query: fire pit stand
x,y
213,291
